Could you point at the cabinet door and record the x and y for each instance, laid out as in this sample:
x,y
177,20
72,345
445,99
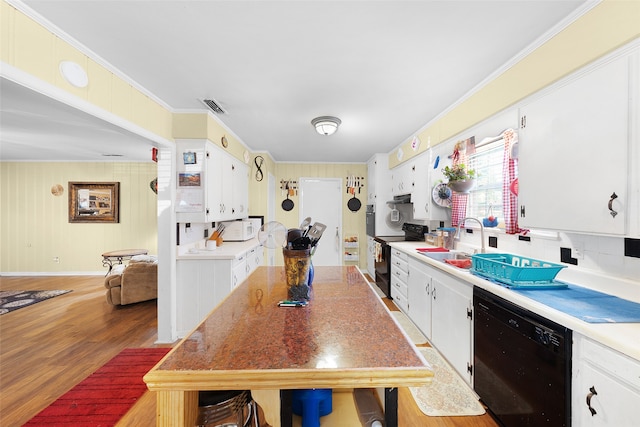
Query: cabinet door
x,y
239,271
421,195
195,293
605,380
371,181
428,174
616,404
451,323
573,153
402,178
419,296
215,184
240,189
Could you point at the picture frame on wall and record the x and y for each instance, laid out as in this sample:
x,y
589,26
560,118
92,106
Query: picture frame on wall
x,y
189,179
97,202
189,158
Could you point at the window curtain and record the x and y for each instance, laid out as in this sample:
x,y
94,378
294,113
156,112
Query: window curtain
x,y
459,200
509,184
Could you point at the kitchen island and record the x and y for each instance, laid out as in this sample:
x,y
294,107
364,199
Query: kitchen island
x,y
345,338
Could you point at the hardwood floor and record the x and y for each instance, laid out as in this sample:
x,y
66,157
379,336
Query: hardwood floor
x,y
47,348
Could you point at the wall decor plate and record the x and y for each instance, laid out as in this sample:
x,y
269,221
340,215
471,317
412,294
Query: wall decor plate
x,y
442,195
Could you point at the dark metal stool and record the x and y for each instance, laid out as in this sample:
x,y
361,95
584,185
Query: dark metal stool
x,y
230,408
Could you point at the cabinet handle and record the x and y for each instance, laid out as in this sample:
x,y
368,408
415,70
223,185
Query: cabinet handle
x,y
434,293
592,393
522,211
611,211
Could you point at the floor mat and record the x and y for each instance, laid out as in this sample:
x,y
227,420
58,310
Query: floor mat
x,y
447,395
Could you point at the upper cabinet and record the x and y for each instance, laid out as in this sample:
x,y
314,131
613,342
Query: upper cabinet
x,y
427,175
403,178
212,185
576,150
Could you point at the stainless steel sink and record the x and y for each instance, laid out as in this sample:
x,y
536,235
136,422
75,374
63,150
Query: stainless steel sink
x,y
441,256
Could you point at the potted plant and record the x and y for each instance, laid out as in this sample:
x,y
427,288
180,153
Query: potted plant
x,y
461,179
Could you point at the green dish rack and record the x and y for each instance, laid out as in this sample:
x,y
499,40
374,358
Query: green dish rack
x,y
513,270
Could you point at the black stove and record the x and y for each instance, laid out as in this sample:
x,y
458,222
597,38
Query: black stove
x,y
412,233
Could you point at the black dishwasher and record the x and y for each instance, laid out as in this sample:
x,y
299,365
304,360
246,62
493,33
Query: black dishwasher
x,y
522,364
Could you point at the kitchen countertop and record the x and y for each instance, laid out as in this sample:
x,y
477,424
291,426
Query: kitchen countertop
x,y
228,250
623,337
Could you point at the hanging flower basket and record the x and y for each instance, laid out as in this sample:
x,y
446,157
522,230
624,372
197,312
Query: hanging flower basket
x,y
462,186
461,180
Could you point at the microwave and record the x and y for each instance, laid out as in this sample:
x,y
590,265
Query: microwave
x,y
240,231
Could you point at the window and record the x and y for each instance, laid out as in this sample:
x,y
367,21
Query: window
x,y
487,194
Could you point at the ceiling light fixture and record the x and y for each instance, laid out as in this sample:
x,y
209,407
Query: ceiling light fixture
x,y
326,125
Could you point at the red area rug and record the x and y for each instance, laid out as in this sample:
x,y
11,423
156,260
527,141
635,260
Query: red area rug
x,y
102,398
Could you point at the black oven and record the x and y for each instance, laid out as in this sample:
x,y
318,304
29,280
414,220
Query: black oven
x,y
412,233
371,220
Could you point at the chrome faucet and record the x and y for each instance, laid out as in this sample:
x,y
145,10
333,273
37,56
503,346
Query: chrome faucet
x,y
482,249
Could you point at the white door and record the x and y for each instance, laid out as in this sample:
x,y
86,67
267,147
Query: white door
x,y
321,199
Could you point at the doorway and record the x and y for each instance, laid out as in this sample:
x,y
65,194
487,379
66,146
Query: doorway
x,y
321,199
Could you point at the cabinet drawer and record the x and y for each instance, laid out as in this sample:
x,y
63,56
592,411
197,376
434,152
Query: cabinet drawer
x,y
399,299
616,364
400,262
395,253
398,273
398,285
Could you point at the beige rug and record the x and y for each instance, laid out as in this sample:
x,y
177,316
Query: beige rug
x,y
412,330
447,395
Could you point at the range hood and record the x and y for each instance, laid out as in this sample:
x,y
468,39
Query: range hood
x,y
401,199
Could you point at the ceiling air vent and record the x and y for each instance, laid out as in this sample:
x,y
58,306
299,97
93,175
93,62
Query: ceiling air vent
x,y
214,106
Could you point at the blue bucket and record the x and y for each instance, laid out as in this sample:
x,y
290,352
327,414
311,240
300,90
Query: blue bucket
x,y
312,404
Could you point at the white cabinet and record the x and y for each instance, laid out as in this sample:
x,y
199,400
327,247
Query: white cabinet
x,y
399,279
238,179
197,167
440,305
451,321
573,152
403,178
232,182
419,296
428,173
212,185
197,292
203,283
606,381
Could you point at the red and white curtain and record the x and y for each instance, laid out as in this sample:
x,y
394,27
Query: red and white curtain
x,y
510,185
459,200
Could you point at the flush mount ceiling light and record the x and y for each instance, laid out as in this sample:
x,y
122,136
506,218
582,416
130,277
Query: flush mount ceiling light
x,y
326,125
74,74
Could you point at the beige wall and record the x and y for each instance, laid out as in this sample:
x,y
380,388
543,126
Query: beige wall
x,y
34,223
352,222
30,47
608,26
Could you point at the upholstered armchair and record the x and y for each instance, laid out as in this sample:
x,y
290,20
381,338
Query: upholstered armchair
x,y
135,282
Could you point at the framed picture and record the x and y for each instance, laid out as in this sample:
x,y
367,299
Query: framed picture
x,y
189,158
189,179
94,202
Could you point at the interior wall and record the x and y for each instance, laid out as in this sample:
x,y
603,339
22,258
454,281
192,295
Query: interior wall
x,y
30,47
35,227
352,222
608,26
